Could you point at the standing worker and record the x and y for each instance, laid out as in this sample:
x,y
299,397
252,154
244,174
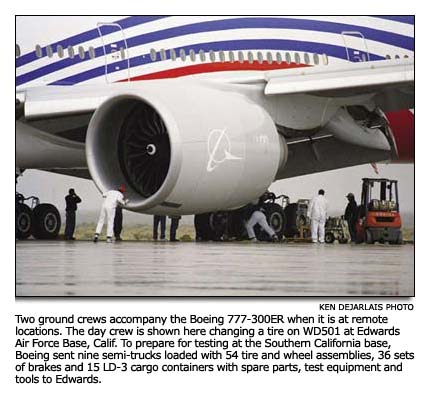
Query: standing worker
x,y
350,215
159,220
118,223
317,212
71,200
174,226
256,216
113,198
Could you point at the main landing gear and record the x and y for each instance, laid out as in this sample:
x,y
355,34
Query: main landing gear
x,y
43,221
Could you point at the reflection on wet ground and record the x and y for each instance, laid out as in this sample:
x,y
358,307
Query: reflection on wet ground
x,y
57,268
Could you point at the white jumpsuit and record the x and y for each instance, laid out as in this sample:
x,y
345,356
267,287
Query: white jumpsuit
x,y
318,210
259,218
112,199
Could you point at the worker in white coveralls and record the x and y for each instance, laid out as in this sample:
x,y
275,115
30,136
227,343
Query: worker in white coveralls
x,y
318,212
112,199
256,216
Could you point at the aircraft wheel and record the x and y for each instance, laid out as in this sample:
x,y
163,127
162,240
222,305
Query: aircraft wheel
x,y
343,240
291,228
329,238
276,220
24,221
47,221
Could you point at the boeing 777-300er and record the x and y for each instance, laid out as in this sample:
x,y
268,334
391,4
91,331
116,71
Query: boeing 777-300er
x,y
198,114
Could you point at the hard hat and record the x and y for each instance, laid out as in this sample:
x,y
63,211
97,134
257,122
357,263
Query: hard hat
x,y
121,188
350,195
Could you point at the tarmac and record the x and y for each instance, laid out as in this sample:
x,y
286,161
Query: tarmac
x,y
143,268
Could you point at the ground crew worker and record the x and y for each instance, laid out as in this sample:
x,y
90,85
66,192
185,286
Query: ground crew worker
x,y
350,215
256,216
159,220
318,212
118,223
113,198
71,200
174,226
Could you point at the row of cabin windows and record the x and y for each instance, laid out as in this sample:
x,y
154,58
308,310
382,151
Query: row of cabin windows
x,y
388,57
239,56
71,52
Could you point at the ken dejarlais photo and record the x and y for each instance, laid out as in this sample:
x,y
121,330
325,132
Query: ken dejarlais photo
x,y
214,156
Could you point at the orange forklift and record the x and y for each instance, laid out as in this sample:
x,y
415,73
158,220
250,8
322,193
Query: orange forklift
x,y
379,213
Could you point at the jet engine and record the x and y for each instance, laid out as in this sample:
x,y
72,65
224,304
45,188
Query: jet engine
x,y
183,147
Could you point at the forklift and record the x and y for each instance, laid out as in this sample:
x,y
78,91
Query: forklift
x,y
379,213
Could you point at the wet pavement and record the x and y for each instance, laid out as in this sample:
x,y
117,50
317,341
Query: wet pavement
x,y
80,268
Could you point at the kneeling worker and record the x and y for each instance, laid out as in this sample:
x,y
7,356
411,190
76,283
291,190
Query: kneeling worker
x,y
256,216
113,198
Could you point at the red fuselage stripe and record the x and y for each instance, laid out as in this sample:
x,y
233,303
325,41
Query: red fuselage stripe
x,y
215,67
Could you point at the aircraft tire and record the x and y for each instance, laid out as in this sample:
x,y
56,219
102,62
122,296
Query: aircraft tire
x,y
24,221
47,221
329,238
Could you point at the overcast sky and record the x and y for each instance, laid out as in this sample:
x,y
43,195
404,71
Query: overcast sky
x,y
52,188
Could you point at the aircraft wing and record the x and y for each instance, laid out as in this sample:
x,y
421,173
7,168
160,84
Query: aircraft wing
x,y
391,82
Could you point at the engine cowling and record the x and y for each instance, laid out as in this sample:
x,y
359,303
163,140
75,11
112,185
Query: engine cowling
x,y
183,148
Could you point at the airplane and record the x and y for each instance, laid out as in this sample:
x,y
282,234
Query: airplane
x,y
202,113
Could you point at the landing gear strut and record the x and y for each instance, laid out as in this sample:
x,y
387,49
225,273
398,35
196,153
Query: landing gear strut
x,y
43,221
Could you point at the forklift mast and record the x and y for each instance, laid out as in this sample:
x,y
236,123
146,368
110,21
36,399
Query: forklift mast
x,y
388,195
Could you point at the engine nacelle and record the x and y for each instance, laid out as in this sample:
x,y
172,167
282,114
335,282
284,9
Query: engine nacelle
x,y
183,147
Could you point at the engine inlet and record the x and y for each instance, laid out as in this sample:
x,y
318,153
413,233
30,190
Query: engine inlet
x,y
144,150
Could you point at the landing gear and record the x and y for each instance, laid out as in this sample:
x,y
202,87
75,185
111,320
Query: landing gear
x,y
43,221
276,220
24,221
47,221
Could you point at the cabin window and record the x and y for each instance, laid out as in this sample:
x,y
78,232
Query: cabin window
x,y
153,55
260,57
297,58
202,56
182,54
316,58
222,56
388,57
288,57
122,53
306,58
406,56
81,52
325,59
192,55
231,57
59,51
250,57
17,51
162,54
278,58
269,58
397,56
71,52
212,56
173,55
38,51
240,57
49,51
92,52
